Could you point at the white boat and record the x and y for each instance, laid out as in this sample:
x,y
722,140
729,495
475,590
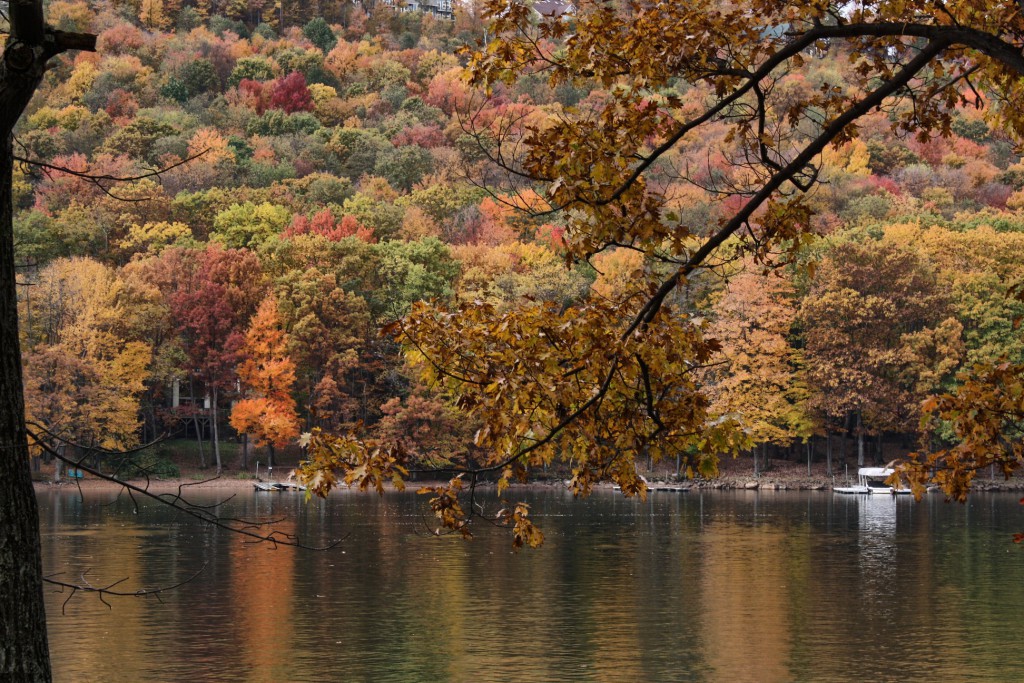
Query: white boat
x,y
871,480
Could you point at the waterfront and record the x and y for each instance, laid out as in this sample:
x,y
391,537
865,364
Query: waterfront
x,y
737,585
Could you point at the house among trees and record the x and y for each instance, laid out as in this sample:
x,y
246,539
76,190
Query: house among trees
x,y
438,8
553,8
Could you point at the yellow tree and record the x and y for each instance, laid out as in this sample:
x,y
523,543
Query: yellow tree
x,y
83,371
267,374
152,14
758,378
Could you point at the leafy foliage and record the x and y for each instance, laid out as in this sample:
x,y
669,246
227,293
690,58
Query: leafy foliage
x,y
986,413
84,371
267,374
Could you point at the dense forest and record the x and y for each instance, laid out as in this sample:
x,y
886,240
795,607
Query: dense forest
x,y
328,166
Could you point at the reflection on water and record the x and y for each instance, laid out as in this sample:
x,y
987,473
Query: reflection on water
x,y
737,586
877,537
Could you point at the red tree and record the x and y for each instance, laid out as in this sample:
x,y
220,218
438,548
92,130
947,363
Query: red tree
x,y
323,223
256,94
212,307
291,94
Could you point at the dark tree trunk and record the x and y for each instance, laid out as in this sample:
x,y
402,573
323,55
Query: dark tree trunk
x,y
842,440
828,453
24,651
860,441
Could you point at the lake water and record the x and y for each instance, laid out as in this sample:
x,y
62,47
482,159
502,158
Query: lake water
x,y
719,586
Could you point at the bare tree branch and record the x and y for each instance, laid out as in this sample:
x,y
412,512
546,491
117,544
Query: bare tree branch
x,y
812,150
109,590
102,180
252,530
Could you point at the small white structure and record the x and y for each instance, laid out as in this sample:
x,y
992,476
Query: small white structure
x,y
288,485
443,9
871,480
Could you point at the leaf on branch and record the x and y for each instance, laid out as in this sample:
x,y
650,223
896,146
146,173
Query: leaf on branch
x,y
447,508
524,532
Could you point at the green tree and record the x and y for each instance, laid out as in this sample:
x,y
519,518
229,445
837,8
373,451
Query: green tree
x,y
320,34
252,69
199,76
249,225
407,272
138,138
404,166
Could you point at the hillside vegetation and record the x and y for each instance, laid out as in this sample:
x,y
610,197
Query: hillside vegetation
x,y
327,172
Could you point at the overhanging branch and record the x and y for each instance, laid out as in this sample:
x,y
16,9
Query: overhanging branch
x,y
250,529
816,147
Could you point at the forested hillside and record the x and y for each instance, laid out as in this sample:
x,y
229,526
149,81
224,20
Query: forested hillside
x,y
328,168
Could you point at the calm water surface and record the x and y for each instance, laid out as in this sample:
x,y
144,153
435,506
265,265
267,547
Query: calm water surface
x,y
740,586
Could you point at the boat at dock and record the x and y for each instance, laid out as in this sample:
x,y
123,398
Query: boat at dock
x,y
288,484
871,480
278,486
661,486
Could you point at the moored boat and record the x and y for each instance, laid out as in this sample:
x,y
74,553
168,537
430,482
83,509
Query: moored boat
x,y
871,480
278,486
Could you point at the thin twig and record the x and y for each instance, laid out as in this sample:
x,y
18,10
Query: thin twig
x,y
239,526
108,590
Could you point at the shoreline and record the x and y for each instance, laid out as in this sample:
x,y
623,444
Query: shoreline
x,y
724,483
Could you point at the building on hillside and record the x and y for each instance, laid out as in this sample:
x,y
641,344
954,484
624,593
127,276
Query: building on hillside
x,y
445,9
439,8
553,8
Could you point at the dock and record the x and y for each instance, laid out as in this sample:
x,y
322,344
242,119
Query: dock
x,y
670,488
278,486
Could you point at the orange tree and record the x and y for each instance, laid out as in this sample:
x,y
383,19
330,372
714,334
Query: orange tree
x,y
601,382
267,374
